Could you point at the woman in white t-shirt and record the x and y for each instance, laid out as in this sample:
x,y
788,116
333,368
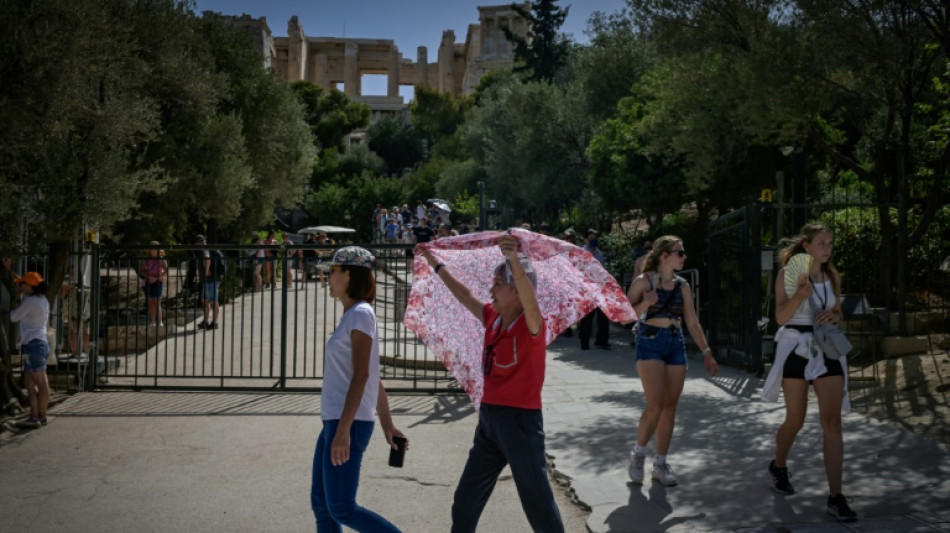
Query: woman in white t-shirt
x,y
352,394
33,315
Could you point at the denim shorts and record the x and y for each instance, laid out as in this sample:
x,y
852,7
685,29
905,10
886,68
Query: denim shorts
x,y
661,344
34,355
210,291
154,290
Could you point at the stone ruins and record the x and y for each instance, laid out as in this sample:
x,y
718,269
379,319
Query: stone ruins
x,y
331,61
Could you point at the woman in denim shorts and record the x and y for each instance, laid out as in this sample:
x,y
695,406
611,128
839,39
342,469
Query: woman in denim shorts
x,y
33,315
664,302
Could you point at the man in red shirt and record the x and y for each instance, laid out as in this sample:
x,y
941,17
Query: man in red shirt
x,y
510,427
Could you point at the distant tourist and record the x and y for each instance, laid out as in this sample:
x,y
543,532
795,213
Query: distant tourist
x,y
800,362
352,391
664,303
33,316
211,270
153,270
586,326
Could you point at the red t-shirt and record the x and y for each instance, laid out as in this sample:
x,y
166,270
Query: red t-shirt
x,y
517,371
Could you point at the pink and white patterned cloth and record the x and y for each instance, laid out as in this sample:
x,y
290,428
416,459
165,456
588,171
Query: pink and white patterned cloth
x,y
571,283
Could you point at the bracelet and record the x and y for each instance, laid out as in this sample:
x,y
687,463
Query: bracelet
x,y
707,350
439,266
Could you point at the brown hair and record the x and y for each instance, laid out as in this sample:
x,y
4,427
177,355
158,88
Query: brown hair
x,y
796,245
663,244
362,283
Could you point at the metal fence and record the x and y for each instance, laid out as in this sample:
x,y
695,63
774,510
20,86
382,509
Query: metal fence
x,y
267,336
743,248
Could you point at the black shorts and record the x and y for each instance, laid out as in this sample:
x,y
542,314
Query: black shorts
x,y
795,367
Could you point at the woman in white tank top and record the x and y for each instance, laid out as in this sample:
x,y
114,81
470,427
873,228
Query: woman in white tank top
x,y
798,363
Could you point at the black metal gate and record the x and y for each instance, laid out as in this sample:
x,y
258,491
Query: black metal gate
x,y
267,337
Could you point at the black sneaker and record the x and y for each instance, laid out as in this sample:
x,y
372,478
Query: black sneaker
x,y
838,508
780,482
202,325
213,325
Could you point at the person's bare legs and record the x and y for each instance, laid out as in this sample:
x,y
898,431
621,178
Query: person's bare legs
x,y
830,392
674,379
796,404
653,378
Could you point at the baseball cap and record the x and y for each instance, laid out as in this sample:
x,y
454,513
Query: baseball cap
x,y
30,278
353,256
200,238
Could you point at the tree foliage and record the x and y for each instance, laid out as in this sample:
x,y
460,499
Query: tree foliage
x,y
331,115
544,50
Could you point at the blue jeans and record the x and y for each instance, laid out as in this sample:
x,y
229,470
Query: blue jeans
x,y
333,490
507,436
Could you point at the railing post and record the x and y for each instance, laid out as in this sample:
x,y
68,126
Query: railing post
x,y
285,273
93,355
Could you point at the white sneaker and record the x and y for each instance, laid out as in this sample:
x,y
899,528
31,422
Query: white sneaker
x,y
635,470
664,474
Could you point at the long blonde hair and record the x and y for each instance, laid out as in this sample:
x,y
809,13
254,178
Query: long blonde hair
x,y
796,245
663,244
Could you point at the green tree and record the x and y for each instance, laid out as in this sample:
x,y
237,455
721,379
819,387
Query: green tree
x,y
397,142
530,139
331,115
544,50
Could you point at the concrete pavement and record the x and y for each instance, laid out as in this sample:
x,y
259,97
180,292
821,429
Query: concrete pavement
x,y
214,462
721,447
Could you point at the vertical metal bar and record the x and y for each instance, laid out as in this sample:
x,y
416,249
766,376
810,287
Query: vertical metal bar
x,y
283,317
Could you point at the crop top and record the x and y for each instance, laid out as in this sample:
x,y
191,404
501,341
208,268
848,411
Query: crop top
x,y
669,303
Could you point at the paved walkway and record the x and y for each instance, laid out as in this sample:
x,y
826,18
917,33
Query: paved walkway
x,y
721,448
216,462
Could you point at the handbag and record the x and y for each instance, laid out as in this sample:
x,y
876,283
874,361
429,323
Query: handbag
x,y
833,343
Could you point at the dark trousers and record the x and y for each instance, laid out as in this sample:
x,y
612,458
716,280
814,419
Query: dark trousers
x,y
586,324
507,436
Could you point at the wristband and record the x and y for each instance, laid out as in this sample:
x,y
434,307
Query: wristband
x,y
707,350
439,266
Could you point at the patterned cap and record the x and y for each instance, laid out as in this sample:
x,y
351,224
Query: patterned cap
x,y
353,256
30,278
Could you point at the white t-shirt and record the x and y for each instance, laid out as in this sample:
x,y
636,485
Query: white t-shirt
x,y
32,314
339,365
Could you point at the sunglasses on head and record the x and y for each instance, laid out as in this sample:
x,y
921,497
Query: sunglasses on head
x,y
681,253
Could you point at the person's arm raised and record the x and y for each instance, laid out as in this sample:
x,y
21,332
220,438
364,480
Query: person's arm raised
x,y
462,293
529,299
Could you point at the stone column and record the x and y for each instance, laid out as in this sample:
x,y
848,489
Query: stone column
x,y
447,62
422,62
296,51
351,70
393,86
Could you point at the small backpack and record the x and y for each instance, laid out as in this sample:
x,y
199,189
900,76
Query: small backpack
x,y
218,265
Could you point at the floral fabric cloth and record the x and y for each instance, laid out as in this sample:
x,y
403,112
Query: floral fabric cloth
x,y
571,283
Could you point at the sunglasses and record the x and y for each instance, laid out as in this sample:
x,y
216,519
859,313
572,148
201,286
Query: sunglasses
x,y
681,253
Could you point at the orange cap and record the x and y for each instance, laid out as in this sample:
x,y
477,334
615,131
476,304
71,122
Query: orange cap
x,y
30,278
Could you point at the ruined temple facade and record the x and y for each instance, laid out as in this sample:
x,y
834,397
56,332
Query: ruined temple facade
x,y
332,61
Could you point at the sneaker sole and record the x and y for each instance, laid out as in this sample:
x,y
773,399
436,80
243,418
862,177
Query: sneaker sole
x,y
665,484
